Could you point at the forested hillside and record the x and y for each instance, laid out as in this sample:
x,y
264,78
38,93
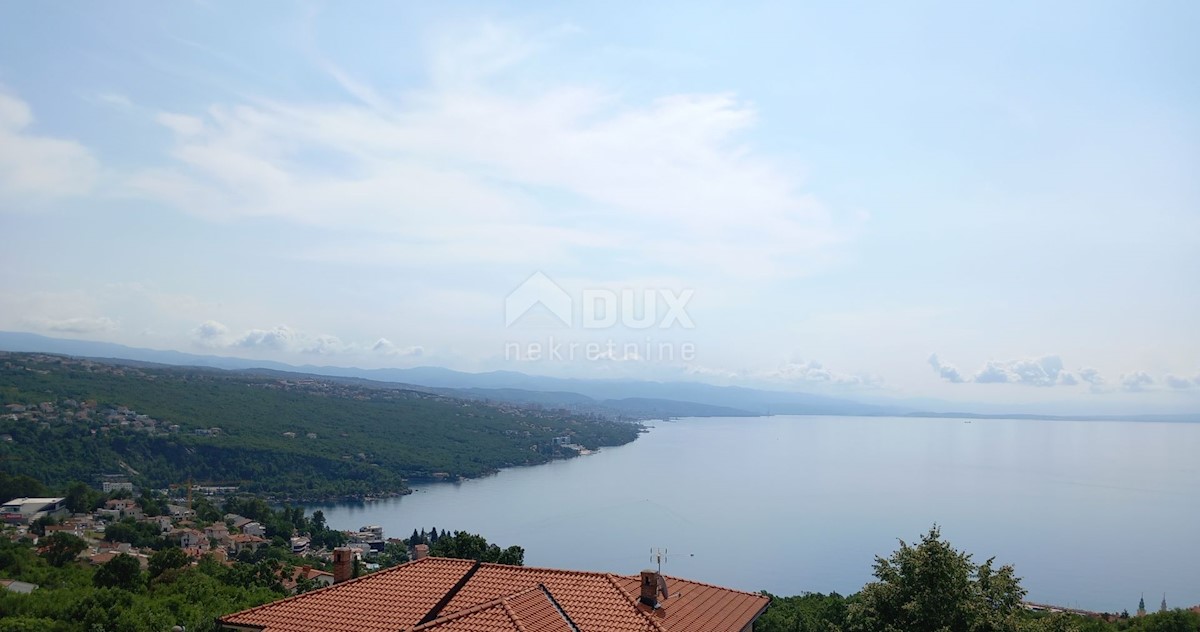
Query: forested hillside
x,y
64,419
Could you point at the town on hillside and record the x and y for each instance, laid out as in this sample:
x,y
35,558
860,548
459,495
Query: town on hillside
x,y
121,526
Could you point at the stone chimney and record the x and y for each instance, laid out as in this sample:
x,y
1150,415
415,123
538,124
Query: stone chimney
x,y
653,585
343,564
420,552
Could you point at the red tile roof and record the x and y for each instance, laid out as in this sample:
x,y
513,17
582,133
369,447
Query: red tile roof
x,y
387,601
533,610
595,601
446,595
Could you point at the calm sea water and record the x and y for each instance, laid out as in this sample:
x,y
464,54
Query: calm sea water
x,y
1092,514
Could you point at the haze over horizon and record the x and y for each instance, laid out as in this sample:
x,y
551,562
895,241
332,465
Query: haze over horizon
x,y
968,203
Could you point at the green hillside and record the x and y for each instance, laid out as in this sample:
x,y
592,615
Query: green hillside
x,y
301,438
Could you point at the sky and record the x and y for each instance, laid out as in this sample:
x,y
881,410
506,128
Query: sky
x,y
957,201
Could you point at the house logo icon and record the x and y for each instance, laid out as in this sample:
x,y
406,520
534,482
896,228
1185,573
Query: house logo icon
x,y
538,289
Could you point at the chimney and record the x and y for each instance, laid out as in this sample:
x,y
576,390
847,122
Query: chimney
x,y
343,564
653,585
420,552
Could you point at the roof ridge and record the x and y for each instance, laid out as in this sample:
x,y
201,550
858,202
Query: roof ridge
x,y
512,616
558,606
633,602
566,571
331,587
450,594
458,614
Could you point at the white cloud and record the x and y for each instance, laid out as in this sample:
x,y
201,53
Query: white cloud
x,y
280,338
387,347
1048,371
34,167
181,124
1041,371
1136,381
283,339
78,325
811,371
444,172
947,372
115,99
797,373
1091,376
325,345
210,333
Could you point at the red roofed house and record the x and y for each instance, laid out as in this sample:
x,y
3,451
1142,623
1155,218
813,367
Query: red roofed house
x,y
448,595
292,579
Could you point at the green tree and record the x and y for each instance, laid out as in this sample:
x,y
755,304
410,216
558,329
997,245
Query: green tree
x,y
469,546
38,527
808,612
139,534
20,486
931,587
122,571
81,498
1169,621
152,504
317,522
61,549
166,559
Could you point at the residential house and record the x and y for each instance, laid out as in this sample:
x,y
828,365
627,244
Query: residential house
x,y
124,508
254,528
318,577
165,524
242,542
105,554
180,512
441,595
74,528
217,531
237,521
190,539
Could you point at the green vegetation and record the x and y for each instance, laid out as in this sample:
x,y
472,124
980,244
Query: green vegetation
x,y
931,587
470,546
926,587
295,438
119,597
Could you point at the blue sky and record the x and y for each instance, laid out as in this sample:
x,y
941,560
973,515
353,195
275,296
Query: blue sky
x,y
974,203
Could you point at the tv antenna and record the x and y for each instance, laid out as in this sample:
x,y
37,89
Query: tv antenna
x,y
658,556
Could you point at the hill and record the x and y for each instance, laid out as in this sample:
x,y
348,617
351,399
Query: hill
x,y
649,398
69,419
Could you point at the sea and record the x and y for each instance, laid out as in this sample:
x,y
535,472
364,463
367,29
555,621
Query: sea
x,y
1092,514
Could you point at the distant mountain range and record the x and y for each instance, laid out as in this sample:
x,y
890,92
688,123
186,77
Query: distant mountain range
x,y
634,398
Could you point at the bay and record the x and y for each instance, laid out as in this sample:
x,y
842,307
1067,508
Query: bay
x,y
1091,514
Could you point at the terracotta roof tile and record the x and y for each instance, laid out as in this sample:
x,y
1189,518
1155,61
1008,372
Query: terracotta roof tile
x,y
698,606
500,598
592,600
387,601
533,610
